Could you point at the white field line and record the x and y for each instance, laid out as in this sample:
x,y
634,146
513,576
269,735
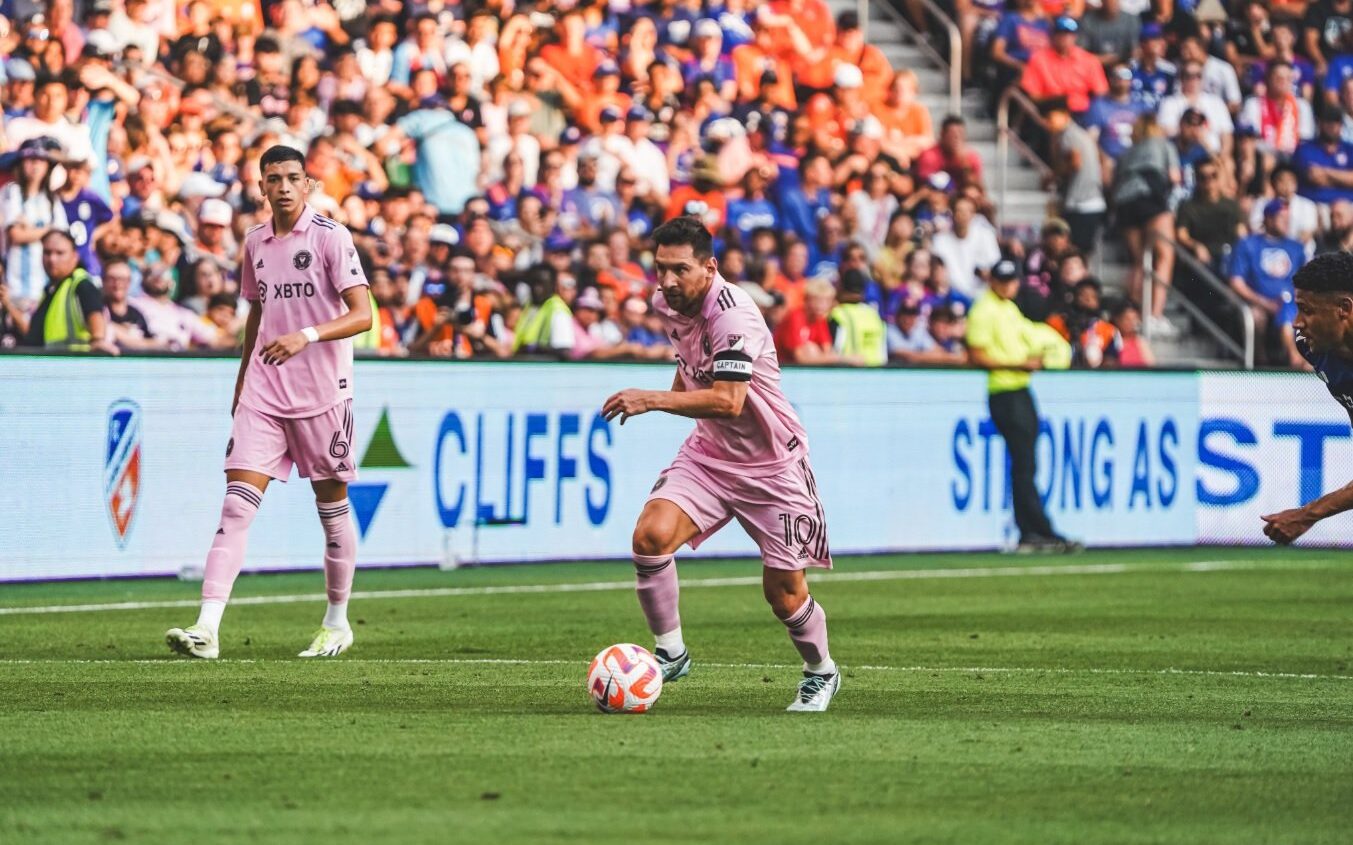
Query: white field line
x,y
848,668
744,581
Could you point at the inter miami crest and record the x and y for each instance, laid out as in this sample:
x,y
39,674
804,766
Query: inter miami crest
x,y
122,467
302,259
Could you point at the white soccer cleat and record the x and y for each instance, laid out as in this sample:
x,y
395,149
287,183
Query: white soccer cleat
x,y
815,692
329,642
193,641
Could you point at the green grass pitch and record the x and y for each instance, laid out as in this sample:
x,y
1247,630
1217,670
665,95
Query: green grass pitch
x,y
1172,696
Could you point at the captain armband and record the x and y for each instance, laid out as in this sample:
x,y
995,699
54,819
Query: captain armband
x,y
731,365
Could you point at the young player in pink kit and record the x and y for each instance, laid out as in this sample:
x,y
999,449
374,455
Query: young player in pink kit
x,y
293,398
746,459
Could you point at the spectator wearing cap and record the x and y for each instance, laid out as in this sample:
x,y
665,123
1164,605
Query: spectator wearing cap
x,y
1003,341
1112,116
804,336
214,237
909,339
851,48
605,97
858,333
708,62
1153,77
18,88
1325,163
1282,119
1220,129
1219,75
833,114
1210,222
1262,267
647,163
952,155
1077,166
969,249
1109,34
1021,32
29,209
1065,70
86,214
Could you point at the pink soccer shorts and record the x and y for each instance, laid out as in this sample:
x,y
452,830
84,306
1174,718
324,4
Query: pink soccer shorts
x,y
320,447
780,511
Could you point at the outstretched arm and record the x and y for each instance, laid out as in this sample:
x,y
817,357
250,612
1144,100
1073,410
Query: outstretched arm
x,y
1288,525
723,400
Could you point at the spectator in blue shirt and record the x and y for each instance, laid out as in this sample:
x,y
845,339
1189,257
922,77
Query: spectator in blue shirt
x,y
587,209
707,60
1019,34
1152,76
753,210
1112,116
1325,163
1262,267
85,213
806,200
446,169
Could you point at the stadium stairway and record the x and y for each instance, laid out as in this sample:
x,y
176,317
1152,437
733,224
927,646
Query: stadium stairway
x,y
1027,204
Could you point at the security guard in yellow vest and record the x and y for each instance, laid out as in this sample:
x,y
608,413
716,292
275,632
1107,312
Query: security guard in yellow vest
x,y
548,327
70,316
369,341
858,331
1010,347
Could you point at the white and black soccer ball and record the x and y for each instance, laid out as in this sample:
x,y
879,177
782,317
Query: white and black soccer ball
x,y
624,678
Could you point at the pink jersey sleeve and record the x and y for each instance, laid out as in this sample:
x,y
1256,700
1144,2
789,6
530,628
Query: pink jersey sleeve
x,y
738,336
340,259
248,281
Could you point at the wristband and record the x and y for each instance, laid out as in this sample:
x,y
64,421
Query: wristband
x,y
310,334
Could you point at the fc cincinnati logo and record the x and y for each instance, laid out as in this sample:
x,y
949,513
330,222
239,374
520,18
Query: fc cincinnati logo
x,y
302,259
122,467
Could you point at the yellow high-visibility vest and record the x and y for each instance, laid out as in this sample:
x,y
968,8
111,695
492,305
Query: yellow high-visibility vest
x,y
65,326
865,335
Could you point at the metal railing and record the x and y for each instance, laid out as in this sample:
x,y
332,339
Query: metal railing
x,y
953,65
1006,136
1244,350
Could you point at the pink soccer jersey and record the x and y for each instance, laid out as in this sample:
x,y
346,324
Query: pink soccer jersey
x,y
729,340
298,280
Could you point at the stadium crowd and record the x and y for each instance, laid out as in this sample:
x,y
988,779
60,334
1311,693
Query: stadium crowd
x,y
501,165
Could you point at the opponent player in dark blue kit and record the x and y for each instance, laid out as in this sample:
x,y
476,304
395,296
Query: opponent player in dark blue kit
x,y
1324,335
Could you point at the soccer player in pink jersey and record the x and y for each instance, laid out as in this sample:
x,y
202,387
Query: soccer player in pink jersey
x,y
746,459
293,396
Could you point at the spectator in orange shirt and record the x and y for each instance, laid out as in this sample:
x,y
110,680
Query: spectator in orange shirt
x,y
703,198
751,64
834,113
805,336
1093,338
793,278
804,35
572,56
851,49
606,92
907,126
1065,70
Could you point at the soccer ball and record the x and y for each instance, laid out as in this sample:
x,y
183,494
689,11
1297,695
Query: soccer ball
x,y
624,678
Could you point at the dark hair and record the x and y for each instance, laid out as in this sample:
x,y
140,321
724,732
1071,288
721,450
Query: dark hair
x,y
62,233
45,79
219,300
685,231
1279,170
1328,273
278,154
952,120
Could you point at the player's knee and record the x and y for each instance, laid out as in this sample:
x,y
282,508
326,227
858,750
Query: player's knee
x,y
652,538
784,599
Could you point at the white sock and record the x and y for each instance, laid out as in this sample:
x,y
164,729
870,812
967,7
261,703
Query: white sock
x,y
826,667
336,616
209,616
672,643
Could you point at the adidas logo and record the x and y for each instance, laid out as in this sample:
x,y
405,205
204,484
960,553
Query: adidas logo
x,y
332,546
220,530
259,265
342,467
